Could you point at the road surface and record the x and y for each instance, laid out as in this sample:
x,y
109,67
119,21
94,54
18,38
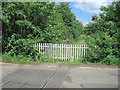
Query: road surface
x,y
54,75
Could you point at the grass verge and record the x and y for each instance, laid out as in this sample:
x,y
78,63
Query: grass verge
x,y
21,59
15,59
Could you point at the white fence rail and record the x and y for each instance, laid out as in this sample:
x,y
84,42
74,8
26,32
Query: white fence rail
x,y
62,51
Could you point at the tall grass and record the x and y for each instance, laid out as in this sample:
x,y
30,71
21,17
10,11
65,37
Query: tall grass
x,y
21,59
16,59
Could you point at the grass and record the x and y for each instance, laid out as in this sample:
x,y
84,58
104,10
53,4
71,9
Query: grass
x,y
51,60
76,62
15,59
20,59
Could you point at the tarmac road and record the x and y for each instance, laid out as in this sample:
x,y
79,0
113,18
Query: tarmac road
x,y
54,75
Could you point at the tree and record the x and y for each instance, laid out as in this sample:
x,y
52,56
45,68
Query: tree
x,y
103,36
27,23
72,31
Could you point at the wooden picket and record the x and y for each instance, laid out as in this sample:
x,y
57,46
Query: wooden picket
x,y
62,51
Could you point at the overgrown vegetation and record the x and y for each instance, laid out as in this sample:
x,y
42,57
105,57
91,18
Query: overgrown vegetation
x,y
22,59
27,23
102,36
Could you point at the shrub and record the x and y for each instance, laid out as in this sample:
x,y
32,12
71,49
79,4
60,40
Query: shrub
x,y
110,59
24,47
102,49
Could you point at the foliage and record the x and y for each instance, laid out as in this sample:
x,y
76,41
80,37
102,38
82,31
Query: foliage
x,y
19,59
72,27
21,47
102,36
27,23
16,59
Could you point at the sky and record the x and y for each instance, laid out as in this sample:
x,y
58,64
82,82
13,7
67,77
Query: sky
x,y
85,9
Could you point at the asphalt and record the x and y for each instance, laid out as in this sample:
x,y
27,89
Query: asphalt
x,y
54,75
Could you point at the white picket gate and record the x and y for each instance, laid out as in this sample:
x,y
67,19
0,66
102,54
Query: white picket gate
x,y
62,51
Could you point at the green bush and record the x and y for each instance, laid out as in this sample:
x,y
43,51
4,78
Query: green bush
x,y
110,59
102,36
24,47
102,49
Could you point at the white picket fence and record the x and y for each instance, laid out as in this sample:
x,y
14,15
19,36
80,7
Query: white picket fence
x,y
62,51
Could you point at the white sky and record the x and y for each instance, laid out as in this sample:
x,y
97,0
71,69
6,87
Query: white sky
x,y
90,6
